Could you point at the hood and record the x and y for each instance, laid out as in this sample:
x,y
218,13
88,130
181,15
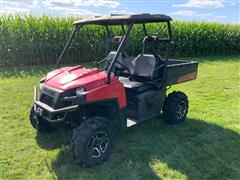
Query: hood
x,y
77,76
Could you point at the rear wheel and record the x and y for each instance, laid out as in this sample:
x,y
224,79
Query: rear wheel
x,y
92,141
175,108
38,123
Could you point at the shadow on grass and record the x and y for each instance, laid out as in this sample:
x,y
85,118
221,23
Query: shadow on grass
x,y
53,140
25,71
154,150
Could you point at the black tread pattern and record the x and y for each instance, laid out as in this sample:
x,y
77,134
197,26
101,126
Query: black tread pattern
x,y
40,125
170,106
80,137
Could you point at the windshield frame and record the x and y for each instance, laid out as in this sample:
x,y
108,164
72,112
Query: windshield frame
x,y
122,44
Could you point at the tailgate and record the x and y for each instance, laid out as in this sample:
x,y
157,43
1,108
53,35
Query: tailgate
x,y
179,71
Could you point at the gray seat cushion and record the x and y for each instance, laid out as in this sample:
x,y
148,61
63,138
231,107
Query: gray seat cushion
x,y
123,59
143,68
129,84
147,67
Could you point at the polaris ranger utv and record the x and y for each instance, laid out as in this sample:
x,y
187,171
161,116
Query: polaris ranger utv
x,y
129,90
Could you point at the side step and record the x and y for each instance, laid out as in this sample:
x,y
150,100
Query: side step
x,y
131,122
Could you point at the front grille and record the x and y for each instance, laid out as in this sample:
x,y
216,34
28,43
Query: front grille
x,y
62,104
47,100
48,91
55,99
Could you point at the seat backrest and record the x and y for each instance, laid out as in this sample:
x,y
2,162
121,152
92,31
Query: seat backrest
x,y
147,67
123,59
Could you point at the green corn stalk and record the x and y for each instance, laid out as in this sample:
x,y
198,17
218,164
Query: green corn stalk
x,y
31,40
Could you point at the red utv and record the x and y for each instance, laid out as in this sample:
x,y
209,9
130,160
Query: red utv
x,y
97,103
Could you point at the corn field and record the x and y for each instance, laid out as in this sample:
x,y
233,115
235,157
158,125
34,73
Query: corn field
x,y
31,40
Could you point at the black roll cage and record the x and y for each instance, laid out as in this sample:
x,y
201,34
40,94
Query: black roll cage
x,y
122,44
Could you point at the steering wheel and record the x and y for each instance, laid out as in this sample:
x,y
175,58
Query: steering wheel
x,y
120,69
97,63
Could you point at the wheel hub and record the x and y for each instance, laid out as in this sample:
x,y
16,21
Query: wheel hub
x,y
97,144
181,109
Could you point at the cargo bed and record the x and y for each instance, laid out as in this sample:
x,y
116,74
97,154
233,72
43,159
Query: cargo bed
x,y
179,71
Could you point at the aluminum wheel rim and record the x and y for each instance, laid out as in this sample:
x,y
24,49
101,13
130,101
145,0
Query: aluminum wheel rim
x,y
181,109
97,145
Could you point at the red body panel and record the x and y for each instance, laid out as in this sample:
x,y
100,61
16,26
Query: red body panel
x,y
108,91
92,80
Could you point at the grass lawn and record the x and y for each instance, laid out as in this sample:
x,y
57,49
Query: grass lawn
x,y
206,146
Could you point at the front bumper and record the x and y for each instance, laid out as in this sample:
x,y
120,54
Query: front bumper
x,y
48,113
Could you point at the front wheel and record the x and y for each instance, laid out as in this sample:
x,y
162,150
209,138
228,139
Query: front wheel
x,y
175,107
38,123
92,141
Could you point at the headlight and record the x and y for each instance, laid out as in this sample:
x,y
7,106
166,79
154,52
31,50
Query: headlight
x,y
41,83
43,79
41,86
79,91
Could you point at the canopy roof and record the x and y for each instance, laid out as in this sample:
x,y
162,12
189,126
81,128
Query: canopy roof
x,y
118,19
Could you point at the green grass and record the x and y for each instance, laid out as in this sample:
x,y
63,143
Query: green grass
x,y
206,146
